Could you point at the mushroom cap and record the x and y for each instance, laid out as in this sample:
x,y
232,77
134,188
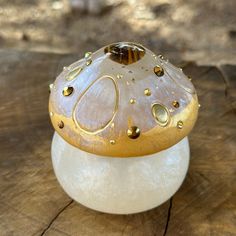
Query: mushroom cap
x,y
123,101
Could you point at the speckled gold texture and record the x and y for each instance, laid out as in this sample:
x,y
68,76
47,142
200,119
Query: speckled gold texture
x,y
108,97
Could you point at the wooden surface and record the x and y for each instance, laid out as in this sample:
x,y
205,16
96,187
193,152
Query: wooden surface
x,y
33,203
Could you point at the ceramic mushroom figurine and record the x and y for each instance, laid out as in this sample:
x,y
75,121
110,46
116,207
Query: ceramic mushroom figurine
x,y
122,116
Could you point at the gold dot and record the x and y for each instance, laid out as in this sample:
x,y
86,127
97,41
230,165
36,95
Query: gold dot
x,y
119,76
147,92
112,125
199,105
133,132
132,100
51,86
51,113
61,124
180,124
158,70
161,114
88,62
74,73
175,104
190,79
67,91
88,54
112,142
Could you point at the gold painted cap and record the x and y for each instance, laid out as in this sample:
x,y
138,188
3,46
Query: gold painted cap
x,y
122,101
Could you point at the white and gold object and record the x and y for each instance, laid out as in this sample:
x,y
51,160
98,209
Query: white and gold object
x,y
122,116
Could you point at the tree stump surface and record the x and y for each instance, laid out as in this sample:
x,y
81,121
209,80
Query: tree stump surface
x,y
33,203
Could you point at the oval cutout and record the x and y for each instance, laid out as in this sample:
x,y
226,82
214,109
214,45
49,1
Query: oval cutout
x,y
96,107
161,114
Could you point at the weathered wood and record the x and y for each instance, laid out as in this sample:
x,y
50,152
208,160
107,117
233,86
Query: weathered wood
x,y
33,203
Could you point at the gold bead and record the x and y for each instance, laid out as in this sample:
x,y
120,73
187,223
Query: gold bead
x,y
51,113
175,104
51,86
88,54
158,70
112,142
119,76
199,105
133,132
132,100
180,124
74,73
61,124
161,114
88,62
147,92
67,91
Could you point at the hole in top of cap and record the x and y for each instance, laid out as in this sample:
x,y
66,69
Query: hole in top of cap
x,y
125,53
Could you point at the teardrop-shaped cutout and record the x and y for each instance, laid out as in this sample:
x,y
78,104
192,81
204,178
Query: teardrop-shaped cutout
x,y
97,106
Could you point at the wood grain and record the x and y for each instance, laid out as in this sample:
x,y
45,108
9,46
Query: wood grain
x,y
33,203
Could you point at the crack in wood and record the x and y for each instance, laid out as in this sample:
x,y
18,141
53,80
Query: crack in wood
x,y
206,71
55,217
168,217
223,75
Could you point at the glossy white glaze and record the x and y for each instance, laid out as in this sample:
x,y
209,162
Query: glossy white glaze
x,y
119,185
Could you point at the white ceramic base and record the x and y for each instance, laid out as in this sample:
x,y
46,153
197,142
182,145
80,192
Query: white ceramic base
x,y
119,185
